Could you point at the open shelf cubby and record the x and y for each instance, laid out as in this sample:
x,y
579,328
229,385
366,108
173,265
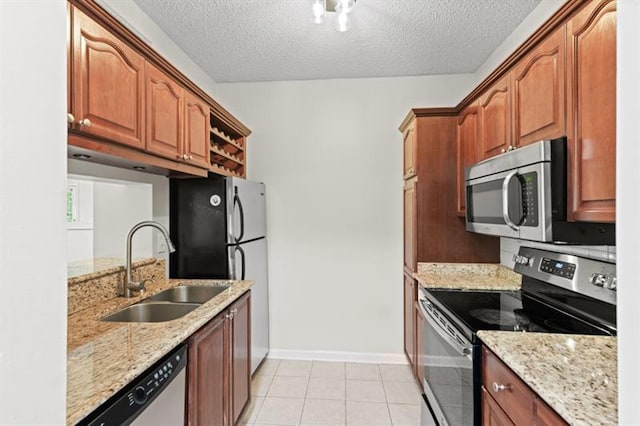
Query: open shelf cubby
x,y
226,149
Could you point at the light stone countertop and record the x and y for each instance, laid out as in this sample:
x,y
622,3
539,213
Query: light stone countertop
x,y
467,276
103,357
576,375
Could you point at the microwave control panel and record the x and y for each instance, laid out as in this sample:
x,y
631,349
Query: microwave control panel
x,y
557,267
529,182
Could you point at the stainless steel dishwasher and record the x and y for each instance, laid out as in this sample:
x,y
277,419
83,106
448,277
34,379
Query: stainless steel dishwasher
x,y
156,397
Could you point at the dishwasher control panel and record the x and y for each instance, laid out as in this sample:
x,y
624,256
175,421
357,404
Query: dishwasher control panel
x,y
127,404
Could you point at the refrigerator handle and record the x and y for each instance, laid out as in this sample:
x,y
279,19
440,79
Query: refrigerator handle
x,y
236,200
242,263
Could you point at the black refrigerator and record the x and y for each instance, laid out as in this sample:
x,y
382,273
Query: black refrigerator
x,y
218,225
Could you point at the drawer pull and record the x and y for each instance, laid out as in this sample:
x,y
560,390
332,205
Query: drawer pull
x,y
499,388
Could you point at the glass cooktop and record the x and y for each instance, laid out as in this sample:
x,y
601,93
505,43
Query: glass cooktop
x,y
509,311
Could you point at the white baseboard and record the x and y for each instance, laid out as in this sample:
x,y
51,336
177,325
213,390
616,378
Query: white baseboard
x,y
366,357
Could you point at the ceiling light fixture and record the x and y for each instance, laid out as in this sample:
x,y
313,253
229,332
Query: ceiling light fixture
x,y
341,8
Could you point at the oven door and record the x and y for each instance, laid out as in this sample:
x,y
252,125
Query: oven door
x,y
447,364
514,203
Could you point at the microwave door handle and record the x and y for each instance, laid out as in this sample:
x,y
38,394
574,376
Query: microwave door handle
x,y
505,201
462,349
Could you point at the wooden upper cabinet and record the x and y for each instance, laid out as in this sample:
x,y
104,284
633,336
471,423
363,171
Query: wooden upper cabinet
x,y
466,149
538,88
410,151
410,225
591,101
196,133
495,119
164,114
107,84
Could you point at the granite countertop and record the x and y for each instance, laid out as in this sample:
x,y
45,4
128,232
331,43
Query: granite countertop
x,y
576,375
102,357
467,276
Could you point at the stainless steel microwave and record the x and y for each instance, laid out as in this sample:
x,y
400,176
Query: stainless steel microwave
x,y
523,194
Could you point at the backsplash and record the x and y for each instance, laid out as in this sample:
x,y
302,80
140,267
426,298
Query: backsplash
x,y
510,246
85,290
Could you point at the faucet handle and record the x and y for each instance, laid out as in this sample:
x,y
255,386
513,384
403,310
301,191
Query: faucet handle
x,y
138,285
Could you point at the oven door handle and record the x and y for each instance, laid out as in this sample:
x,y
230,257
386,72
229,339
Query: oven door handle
x,y
442,332
505,201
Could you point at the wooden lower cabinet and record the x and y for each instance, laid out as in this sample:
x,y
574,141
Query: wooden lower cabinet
x,y
492,414
410,298
220,367
421,324
507,400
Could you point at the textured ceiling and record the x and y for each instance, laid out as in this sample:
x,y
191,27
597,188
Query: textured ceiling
x,y
263,40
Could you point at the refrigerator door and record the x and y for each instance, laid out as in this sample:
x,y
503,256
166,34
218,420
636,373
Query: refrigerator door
x,y
198,228
249,261
246,210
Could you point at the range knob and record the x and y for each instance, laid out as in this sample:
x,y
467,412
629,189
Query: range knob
x,y
612,284
139,395
599,280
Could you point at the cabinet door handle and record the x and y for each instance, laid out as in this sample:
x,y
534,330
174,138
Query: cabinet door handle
x,y
511,148
85,122
190,157
70,118
500,388
502,151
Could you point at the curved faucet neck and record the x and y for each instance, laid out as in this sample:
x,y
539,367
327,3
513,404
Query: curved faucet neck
x,y
128,284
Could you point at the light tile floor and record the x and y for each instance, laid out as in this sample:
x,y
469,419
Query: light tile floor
x,y
332,394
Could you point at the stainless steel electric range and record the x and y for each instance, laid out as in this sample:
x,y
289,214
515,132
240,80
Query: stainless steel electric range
x,y
560,294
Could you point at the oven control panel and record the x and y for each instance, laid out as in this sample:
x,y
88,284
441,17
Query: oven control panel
x,y
590,277
558,268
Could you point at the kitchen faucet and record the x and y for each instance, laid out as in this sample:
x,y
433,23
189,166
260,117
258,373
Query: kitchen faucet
x,y
128,285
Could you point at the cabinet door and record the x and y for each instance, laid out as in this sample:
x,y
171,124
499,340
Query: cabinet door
x,y
538,92
410,147
107,84
545,416
240,355
164,114
492,414
208,381
591,93
196,137
410,225
495,119
467,149
410,319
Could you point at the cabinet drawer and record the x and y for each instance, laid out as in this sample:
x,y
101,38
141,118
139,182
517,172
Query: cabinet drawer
x,y
515,398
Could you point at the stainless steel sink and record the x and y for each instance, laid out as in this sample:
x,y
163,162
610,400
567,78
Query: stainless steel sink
x,y
152,312
187,294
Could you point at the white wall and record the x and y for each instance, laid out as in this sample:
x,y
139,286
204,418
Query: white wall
x,y
80,233
330,154
628,205
33,138
117,208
